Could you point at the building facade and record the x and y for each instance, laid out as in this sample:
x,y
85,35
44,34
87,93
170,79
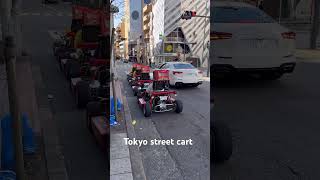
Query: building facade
x,y
147,32
178,38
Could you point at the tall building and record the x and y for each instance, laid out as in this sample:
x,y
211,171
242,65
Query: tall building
x,y
136,23
122,39
147,32
186,39
135,19
158,28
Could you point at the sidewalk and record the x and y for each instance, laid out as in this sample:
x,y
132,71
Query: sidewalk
x,y
125,161
46,163
120,164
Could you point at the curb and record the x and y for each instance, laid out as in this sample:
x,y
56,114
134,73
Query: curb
x,y
55,164
135,154
307,54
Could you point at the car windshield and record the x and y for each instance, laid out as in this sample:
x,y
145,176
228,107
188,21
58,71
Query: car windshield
x,y
239,15
183,66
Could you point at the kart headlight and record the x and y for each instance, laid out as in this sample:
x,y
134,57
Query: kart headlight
x,y
139,88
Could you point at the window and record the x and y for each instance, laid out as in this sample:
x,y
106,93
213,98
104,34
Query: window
x,y
239,15
183,66
163,66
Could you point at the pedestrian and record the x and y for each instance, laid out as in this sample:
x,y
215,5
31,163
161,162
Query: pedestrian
x,y
150,62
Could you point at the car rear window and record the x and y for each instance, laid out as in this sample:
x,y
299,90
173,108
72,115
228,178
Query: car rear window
x,y
239,15
183,66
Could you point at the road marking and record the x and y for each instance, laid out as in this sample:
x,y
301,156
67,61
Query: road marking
x,y
53,9
24,14
35,14
48,14
54,34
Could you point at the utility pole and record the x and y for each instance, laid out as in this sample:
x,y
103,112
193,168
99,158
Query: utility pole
x,y
204,39
11,31
315,25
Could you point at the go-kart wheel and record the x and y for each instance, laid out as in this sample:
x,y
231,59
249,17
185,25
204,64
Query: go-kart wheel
x,y
93,109
221,142
179,106
147,110
135,91
82,94
72,69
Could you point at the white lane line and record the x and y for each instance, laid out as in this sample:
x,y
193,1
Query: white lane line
x,y
47,14
24,14
35,14
54,34
53,9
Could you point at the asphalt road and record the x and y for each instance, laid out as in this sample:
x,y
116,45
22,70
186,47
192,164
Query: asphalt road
x,y
173,161
83,158
275,126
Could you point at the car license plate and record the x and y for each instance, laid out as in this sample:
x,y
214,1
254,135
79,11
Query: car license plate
x,y
190,74
261,43
163,98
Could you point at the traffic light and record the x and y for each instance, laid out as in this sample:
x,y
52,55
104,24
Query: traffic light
x,y
188,15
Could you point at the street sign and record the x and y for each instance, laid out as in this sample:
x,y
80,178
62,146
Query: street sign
x,y
188,15
114,9
135,15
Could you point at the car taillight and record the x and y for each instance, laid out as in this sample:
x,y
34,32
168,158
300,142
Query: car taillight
x,y
176,72
220,35
289,35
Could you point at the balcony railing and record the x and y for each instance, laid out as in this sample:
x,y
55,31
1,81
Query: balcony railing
x,y
146,27
147,8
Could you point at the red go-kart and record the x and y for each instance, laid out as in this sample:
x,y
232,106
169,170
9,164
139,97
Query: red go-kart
x,y
142,81
135,74
158,97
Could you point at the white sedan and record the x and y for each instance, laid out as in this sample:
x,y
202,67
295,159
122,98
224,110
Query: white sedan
x,y
245,39
182,73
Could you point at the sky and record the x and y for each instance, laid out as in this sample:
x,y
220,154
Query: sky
x,y
118,16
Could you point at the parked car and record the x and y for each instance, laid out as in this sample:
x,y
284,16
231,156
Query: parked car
x,y
182,73
243,38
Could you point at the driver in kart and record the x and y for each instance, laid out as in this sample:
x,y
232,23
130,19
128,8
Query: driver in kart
x,y
161,86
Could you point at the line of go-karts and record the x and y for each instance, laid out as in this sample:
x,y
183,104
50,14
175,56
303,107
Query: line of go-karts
x,y
83,55
153,94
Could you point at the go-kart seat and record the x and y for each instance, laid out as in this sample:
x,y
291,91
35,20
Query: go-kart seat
x,y
145,76
160,85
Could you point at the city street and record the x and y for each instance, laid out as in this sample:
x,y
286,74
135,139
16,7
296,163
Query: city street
x,y
83,158
275,125
174,162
